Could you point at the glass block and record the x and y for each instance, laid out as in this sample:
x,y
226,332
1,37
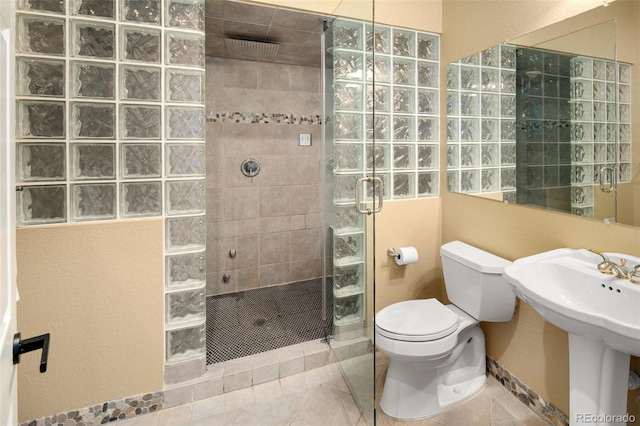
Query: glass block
x,y
386,187
624,113
581,132
378,69
147,11
141,199
41,204
347,219
469,78
185,306
453,132
139,122
508,56
54,6
624,133
490,57
93,80
185,233
581,195
94,201
581,175
348,248
490,181
345,186
40,162
611,71
404,185
428,47
185,270
185,160
348,309
38,34
551,176
185,123
453,180
404,100
93,121
551,153
624,73
348,127
625,172
611,92
508,130
490,105
599,70
599,111
97,8
582,211
93,161
469,130
507,81
453,76
185,197
187,14
378,39
585,89
490,155
187,343
348,34
348,157
473,59
380,101
428,129
428,101
380,156
470,155
348,279
378,127
93,40
599,132
490,130
185,86
404,42
470,181
140,83
427,74
453,103
38,119
453,155
140,44
581,67
490,80
581,110
404,71
624,93
403,128
40,77
184,49
403,157
348,96
611,112
348,65
428,184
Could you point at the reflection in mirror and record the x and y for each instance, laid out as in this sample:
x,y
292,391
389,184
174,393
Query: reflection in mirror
x,y
545,125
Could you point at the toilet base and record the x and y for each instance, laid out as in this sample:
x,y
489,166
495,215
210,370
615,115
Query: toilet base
x,y
414,389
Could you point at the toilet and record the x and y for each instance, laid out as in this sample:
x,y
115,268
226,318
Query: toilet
x,y
437,352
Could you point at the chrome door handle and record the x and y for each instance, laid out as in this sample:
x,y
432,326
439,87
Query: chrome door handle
x,y
27,345
603,171
377,186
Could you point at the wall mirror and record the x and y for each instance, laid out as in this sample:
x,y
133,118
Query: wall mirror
x,y
545,120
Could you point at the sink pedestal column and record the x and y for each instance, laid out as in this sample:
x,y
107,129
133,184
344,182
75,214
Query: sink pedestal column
x,y
598,377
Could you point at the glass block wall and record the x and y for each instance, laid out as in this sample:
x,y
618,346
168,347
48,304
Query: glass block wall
x,y
395,73
481,125
110,125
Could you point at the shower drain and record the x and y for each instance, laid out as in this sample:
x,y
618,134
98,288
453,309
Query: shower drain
x,y
259,322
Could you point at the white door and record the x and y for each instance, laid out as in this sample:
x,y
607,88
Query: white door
x,y
8,372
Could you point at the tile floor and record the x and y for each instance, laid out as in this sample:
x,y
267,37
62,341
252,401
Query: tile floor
x,y
322,397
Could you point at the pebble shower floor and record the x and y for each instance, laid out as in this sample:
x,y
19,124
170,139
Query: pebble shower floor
x,y
259,320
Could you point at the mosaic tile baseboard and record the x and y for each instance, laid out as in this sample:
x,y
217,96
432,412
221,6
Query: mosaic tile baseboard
x,y
104,413
526,395
262,118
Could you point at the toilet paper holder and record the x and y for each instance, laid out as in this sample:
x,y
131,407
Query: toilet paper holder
x,y
391,252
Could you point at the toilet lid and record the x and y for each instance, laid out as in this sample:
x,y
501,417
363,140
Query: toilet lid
x,y
417,320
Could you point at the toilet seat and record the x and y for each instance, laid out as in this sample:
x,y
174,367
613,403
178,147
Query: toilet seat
x,y
421,320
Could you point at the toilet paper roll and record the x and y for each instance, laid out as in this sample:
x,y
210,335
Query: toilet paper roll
x,y
406,255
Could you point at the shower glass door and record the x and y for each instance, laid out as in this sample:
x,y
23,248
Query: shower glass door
x,y
351,200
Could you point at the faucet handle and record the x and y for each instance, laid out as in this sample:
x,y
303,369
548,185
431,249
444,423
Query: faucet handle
x,y
605,265
634,274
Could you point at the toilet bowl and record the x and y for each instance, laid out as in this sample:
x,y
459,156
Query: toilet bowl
x,y
437,352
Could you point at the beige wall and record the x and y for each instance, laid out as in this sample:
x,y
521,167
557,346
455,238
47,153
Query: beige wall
x,y
273,220
532,349
97,288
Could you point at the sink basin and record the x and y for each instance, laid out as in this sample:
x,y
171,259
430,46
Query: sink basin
x,y
601,314
566,288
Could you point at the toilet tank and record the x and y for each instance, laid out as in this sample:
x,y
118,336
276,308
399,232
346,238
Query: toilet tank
x,y
474,283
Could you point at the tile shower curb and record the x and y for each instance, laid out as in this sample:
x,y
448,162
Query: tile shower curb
x,y
221,378
536,402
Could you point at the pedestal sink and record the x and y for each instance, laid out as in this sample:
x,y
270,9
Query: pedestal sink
x,y
600,312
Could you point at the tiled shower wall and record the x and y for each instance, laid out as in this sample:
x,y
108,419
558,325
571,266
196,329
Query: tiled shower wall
x,y
273,221
111,126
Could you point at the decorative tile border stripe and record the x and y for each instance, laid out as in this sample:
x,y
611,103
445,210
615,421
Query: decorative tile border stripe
x,y
526,395
262,118
104,413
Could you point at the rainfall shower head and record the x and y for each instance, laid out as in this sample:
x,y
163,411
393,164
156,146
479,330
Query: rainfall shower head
x,y
260,49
